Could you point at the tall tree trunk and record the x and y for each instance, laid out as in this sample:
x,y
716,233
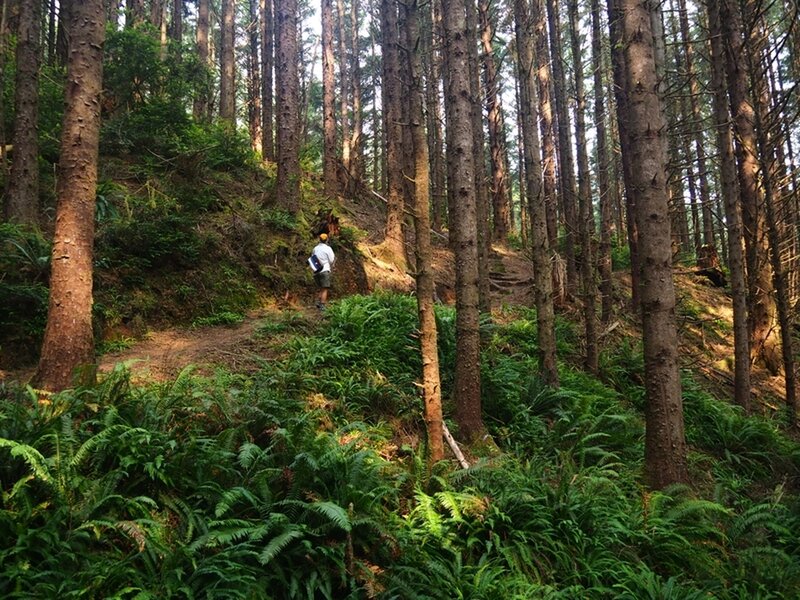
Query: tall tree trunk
x,y
586,222
156,13
68,342
464,226
761,301
733,215
52,17
431,385
304,77
765,128
344,82
287,185
544,82
134,12
377,124
697,126
329,171
540,243
23,190
566,168
394,238
357,131
793,9
481,175
62,37
501,218
607,225
227,74
267,62
176,30
618,66
434,119
524,205
200,108
254,80
665,444
162,28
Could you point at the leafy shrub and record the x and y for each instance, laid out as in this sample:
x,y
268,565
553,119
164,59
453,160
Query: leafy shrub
x,y
218,147
153,130
153,241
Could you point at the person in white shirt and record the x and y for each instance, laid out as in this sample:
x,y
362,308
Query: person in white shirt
x,y
326,257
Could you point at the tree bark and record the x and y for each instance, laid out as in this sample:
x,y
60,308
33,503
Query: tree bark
x,y
267,62
566,168
479,162
22,197
357,130
501,218
287,185
62,37
697,126
607,225
378,132
756,45
254,80
733,215
762,310
586,221
176,30
329,161
665,445
540,242
618,66
394,237
134,13
52,17
434,119
227,74
544,82
464,226
431,385
68,342
201,104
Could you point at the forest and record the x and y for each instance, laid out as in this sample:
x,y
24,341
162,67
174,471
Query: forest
x,y
557,357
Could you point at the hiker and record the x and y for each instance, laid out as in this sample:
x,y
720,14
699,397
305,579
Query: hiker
x,y
324,254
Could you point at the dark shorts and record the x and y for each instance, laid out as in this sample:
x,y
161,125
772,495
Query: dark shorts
x,y
323,280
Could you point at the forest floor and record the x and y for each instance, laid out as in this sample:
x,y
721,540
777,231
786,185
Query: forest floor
x,y
704,321
163,354
703,312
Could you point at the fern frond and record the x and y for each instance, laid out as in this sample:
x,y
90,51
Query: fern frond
x,y
31,456
232,497
279,543
335,513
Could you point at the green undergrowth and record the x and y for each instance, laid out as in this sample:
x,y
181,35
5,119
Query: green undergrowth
x,y
308,480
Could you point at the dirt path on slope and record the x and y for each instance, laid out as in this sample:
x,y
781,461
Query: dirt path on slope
x,y
162,354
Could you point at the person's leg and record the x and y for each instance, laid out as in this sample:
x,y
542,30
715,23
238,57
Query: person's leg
x,y
324,286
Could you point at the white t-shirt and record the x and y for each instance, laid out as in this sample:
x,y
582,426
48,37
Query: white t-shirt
x,y
325,255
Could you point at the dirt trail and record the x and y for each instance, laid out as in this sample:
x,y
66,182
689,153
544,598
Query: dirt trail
x,y
163,354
